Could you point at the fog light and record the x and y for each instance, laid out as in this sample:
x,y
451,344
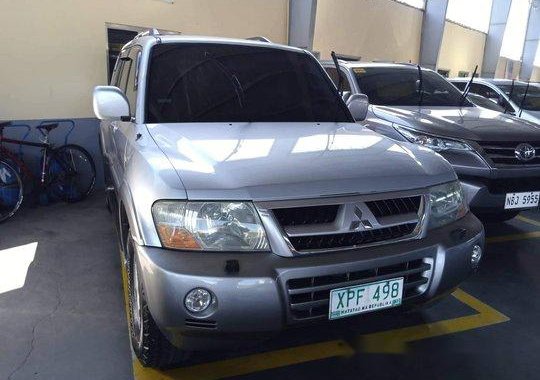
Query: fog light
x,y
476,256
198,300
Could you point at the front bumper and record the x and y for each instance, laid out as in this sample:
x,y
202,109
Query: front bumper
x,y
255,300
489,194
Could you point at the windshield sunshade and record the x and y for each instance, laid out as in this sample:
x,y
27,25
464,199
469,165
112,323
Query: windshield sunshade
x,y
236,83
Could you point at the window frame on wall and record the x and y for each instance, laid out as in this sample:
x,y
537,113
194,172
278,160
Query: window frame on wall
x,y
463,22
444,72
413,3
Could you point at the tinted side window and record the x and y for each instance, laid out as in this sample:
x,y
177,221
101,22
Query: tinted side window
x,y
484,91
460,85
117,73
124,74
332,73
200,82
132,79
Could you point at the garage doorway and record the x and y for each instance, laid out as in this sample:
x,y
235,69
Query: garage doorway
x,y
117,36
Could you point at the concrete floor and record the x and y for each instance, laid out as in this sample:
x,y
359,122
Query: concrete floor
x,y
67,319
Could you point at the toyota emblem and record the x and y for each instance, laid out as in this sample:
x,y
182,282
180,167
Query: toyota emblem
x,y
525,152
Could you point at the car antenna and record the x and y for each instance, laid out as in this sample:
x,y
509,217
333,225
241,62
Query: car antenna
x,y
468,87
420,85
340,75
523,99
506,104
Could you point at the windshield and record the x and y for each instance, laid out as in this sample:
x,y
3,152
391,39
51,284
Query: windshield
x,y
400,86
480,101
532,100
195,82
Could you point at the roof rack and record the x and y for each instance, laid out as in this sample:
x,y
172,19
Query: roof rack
x,y
259,38
155,32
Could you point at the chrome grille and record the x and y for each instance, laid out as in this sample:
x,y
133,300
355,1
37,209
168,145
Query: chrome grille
x,y
322,227
309,296
295,216
311,243
503,153
395,206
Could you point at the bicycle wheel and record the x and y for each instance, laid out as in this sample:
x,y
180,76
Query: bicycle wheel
x,y
72,173
11,191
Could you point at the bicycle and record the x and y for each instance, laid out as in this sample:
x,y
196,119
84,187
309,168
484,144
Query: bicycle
x,y
67,173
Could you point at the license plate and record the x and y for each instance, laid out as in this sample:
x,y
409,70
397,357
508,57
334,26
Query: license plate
x,y
364,298
522,200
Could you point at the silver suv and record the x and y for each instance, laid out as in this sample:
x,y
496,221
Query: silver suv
x,y
247,200
517,98
496,156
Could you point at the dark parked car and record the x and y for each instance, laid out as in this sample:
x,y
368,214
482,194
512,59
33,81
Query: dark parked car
x,y
496,156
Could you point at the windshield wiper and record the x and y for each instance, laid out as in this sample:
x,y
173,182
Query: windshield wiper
x,y
420,86
523,99
467,88
506,104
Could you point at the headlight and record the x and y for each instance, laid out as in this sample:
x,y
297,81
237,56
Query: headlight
x,y
209,226
446,204
438,144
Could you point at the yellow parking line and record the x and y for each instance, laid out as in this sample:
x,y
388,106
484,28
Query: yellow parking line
x,y
528,220
395,341
248,364
522,236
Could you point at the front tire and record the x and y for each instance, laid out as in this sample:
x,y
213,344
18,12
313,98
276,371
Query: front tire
x,y
151,347
497,217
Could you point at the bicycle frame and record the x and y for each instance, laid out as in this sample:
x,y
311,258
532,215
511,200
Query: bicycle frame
x,y
45,146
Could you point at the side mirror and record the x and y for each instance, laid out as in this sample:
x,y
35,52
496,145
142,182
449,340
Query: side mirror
x,y
358,105
345,96
110,103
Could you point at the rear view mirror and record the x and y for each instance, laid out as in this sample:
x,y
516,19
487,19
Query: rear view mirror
x,y
358,105
110,103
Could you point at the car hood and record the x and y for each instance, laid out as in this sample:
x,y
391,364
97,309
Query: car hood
x,y
532,116
274,161
469,123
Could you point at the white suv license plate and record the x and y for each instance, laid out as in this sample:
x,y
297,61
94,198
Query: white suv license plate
x,y
358,299
522,200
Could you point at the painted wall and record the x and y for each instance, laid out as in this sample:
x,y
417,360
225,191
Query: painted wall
x,y
461,49
54,51
535,77
503,68
373,29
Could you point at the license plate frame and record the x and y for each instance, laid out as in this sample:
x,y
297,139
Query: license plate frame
x,y
352,295
522,200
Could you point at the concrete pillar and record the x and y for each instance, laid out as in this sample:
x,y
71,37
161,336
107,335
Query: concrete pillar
x,y
432,32
492,50
302,23
531,42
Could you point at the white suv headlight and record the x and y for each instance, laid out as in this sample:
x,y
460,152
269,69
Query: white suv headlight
x,y
446,204
438,144
209,226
